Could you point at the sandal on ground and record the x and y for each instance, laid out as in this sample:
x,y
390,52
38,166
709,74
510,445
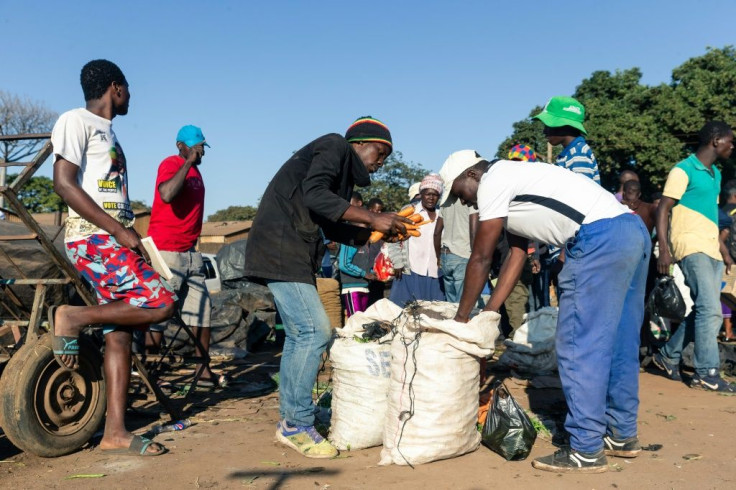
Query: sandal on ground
x,y
62,345
138,447
166,387
222,381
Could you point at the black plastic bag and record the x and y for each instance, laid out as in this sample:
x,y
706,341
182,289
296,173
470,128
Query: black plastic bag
x,y
508,430
666,301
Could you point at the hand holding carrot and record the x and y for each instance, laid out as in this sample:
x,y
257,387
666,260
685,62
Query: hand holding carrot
x,y
411,222
390,224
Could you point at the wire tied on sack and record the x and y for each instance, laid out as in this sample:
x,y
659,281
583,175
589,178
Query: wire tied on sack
x,y
406,415
376,330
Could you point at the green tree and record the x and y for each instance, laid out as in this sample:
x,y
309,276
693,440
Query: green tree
x,y
21,116
643,128
528,132
234,213
624,129
391,183
38,195
702,89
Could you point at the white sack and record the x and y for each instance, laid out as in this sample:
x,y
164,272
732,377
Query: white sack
x,y
435,374
361,376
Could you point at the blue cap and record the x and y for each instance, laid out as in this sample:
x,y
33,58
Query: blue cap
x,y
191,136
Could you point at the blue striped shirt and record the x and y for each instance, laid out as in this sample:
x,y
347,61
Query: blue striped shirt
x,y
578,157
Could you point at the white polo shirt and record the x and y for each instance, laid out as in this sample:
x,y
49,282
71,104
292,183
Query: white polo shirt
x,y
543,202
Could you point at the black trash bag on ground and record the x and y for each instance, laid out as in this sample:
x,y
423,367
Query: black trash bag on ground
x,y
508,430
666,301
231,261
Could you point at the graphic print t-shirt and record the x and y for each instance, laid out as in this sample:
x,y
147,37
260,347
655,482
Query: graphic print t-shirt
x,y
88,141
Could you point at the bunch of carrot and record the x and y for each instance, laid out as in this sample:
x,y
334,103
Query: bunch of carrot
x,y
411,230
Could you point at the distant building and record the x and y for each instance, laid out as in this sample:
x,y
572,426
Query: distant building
x,y
215,234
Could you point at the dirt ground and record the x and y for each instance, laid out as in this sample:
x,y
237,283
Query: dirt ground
x,y
231,445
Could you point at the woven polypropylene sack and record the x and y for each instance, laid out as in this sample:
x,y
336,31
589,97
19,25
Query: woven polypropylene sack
x,y
361,377
433,396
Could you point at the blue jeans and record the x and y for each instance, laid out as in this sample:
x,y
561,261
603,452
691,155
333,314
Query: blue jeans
x,y
703,276
453,274
307,331
601,312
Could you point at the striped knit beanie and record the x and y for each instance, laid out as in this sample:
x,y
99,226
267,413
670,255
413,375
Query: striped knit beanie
x,y
367,128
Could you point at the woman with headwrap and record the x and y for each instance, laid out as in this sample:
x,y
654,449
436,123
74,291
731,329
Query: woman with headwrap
x,y
415,260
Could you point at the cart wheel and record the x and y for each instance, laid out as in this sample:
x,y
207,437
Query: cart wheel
x,y
46,410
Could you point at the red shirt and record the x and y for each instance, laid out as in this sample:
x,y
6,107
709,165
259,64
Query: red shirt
x,y
175,227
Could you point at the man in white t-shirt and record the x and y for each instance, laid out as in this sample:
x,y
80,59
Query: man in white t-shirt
x,y
602,284
90,174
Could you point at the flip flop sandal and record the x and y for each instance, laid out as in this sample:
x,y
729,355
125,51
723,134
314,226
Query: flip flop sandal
x,y
138,447
223,381
63,345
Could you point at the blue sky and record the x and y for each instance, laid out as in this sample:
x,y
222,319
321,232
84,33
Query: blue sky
x,y
263,78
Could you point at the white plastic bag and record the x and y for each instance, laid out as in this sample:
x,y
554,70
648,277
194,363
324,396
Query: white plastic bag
x,y
435,374
361,376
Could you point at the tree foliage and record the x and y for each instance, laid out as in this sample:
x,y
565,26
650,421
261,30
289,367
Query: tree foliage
x,y
38,195
234,213
391,183
647,128
22,116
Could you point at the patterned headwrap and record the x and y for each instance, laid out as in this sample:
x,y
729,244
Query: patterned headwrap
x,y
523,153
432,181
368,128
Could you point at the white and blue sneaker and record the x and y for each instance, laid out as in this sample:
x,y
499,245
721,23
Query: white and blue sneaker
x,y
671,370
305,439
712,383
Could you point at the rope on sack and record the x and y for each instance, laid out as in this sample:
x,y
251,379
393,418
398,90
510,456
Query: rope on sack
x,y
406,415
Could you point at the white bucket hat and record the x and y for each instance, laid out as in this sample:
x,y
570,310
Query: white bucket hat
x,y
414,190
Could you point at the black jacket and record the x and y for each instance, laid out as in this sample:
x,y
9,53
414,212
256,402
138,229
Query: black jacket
x,y
311,191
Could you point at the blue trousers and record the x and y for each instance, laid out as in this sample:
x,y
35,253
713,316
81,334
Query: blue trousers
x,y
601,311
453,274
703,276
308,331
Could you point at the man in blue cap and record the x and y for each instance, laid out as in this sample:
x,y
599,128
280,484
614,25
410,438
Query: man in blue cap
x,y
176,223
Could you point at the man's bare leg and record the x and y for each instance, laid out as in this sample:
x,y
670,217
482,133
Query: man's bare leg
x,y
153,341
69,320
117,378
203,334
728,327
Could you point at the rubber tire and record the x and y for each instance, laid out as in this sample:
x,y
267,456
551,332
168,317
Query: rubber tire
x,y
18,416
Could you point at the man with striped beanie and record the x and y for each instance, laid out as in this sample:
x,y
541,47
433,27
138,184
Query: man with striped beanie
x,y
308,197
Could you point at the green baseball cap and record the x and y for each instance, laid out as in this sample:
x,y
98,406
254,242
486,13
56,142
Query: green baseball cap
x,y
563,111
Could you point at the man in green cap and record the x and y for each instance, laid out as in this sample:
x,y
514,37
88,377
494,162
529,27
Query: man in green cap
x,y
563,125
